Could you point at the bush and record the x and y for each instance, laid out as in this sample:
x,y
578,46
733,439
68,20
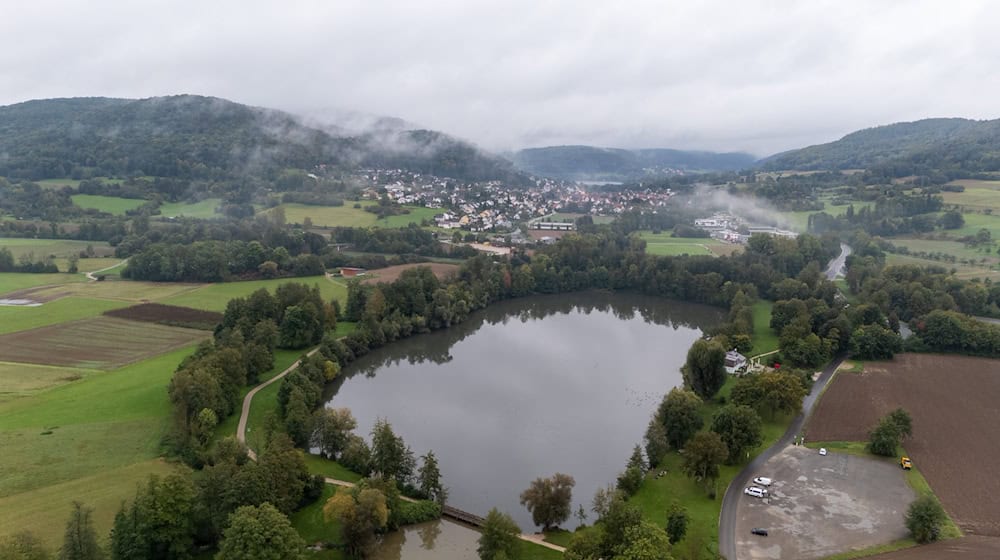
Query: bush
x,y
418,512
924,519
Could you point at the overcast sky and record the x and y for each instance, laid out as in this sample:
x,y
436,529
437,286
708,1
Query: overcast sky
x,y
735,75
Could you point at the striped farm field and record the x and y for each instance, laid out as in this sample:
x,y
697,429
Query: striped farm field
x,y
18,380
110,204
98,343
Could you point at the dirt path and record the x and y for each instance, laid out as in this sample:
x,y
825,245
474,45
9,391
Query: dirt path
x,y
241,429
92,278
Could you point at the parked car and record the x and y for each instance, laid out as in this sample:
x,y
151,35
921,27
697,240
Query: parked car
x,y
762,481
759,531
822,451
755,491
906,463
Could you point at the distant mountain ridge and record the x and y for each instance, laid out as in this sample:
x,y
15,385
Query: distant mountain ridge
x,y
946,144
589,162
189,136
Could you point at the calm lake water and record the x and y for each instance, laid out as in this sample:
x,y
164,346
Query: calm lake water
x,y
528,388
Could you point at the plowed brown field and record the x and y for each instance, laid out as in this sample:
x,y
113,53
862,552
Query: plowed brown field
x,y
168,315
955,405
100,343
966,548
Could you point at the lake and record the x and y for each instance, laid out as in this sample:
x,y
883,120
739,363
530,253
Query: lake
x,y
528,388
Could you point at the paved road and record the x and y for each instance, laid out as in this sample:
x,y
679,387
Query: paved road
x,y
836,266
727,518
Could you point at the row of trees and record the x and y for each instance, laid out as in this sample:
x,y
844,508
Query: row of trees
x,y
25,263
218,261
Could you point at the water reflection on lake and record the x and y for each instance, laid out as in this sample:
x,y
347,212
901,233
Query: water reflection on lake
x,y
437,540
528,388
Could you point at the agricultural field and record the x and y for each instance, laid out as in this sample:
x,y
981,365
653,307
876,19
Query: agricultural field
x,y
392,273
20,318
59,248
204,209
98,343
214,297
952,402
91,439
977,196
129,291
110,204
349,216
168,315
664,244
963,271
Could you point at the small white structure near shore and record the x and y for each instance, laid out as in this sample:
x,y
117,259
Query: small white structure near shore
x,y
735,362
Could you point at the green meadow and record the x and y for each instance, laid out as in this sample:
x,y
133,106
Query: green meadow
x,y
203,210
663,244
90,439
349,216
15,318
214,297
110,204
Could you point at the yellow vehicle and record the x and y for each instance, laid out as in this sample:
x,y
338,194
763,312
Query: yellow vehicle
x,y
905,463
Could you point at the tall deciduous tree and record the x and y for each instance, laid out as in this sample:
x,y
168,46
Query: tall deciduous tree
x,y
548,500
499,537
703,455
740,428
332,428
80,541
260,533
680,415
705,368
362,514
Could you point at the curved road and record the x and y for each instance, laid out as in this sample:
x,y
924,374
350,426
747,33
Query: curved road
x,y
836,266
727,518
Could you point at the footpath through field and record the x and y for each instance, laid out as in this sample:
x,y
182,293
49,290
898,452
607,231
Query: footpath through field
x,y
241,435
727,517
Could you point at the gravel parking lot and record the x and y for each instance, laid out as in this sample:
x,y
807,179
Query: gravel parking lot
x,y
820,506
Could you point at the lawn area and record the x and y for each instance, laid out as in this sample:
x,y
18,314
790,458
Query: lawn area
x,y
214,297
764,338
330,469
663,244
110,204
45,511
92,439
13,319
20,380
204,209
976,222
349,216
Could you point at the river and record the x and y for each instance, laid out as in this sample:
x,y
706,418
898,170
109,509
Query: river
x,y
528,388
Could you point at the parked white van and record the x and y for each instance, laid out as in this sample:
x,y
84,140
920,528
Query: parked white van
x,y
755,491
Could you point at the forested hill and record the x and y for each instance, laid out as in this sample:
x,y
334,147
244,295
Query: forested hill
x,y
196,137
588,162
955,146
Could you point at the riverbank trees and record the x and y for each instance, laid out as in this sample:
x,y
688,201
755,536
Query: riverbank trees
x,y
549,500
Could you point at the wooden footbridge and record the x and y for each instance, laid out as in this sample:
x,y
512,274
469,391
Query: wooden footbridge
x,y
456,514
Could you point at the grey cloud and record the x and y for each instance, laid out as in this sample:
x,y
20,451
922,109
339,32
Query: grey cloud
x,y
756,76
